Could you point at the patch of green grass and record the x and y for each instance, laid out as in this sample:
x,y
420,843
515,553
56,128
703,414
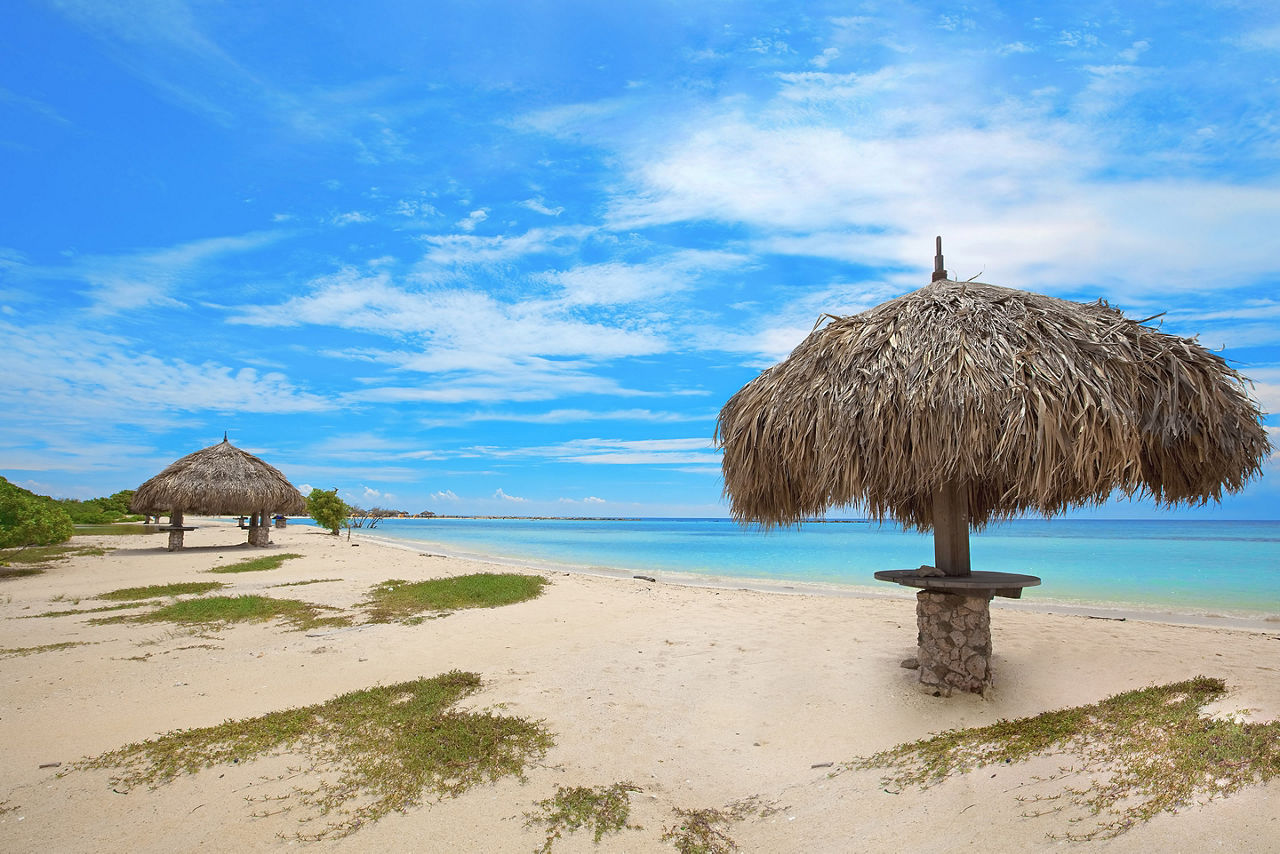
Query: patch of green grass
x,y
19,571
121,607
1141,752
400,600
40,556
181,588
18,652
308,581
373,752
256,564
213,610
605,809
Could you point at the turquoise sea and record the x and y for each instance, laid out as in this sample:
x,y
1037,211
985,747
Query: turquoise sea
x,y
1179,566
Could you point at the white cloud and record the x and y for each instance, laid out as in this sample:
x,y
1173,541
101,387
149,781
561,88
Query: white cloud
x,y
454,250
499,494
471,220
1265,387
461,327
75,374
574,416
616,282
825,58
665,452
1135,50
415,209
351,217
1015,47
1020,192
1265,38
485,349
445,495
768,45
539,205
150,277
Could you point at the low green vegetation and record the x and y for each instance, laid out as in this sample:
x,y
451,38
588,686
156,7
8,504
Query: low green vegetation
x,y
367,753
100,511
398,600
308,581
7,572
702,831
327,509
121,607
18,652
27,519
257,564
36,559
215,610
603,809
1138,754
182,588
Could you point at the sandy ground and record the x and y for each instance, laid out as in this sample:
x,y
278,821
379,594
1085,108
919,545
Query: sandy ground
x,y
702,697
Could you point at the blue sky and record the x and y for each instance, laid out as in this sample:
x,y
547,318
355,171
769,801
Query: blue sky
x,y
483,257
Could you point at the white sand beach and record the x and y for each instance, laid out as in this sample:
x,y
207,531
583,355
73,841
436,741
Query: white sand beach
x,y
701,697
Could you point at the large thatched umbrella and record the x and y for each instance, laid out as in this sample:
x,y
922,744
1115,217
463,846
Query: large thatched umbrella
x,y
962,403
217,481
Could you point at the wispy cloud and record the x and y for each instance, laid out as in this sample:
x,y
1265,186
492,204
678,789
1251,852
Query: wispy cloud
x,y
664,452
454,250
7,96
149,277
539,205
75,375
574,416
1022,191
351,217
471,220
618,283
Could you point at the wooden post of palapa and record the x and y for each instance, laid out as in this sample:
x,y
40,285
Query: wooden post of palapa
x,y
175,530
951,528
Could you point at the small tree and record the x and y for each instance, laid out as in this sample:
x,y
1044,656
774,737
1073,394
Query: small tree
x,y
27,519
327,509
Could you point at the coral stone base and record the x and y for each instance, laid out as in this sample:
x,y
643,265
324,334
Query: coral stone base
x,y
954,642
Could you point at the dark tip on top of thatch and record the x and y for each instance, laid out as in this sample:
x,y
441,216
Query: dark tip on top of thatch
x,y
1035,403
219,480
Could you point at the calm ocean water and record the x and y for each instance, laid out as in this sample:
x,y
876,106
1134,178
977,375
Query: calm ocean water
x,y
1189,567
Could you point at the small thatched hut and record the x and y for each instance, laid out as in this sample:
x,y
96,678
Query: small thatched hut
x,y
220,480
962,403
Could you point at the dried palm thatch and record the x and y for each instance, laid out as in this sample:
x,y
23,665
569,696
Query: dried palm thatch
x,y
216,481
1022,402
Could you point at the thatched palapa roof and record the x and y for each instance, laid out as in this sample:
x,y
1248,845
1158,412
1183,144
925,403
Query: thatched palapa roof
x,y
216,481
1031,403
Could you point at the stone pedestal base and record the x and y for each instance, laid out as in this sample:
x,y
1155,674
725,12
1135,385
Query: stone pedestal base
x,y
175,540
955,641
259,535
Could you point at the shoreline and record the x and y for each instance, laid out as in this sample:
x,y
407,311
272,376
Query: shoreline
x,y
1104,610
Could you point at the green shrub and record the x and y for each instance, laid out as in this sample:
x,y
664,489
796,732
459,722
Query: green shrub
x,y
327,509
27,519
100,511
